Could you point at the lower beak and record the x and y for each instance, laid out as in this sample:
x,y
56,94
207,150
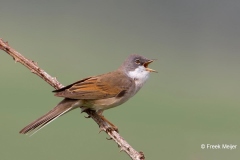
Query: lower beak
x,y
149,69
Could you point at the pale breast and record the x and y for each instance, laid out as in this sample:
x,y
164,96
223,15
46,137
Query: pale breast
x,y
140,76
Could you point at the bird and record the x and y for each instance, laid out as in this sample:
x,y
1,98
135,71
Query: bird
x,y
98,93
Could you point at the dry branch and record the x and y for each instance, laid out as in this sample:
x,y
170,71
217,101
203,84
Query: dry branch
x,y
33,67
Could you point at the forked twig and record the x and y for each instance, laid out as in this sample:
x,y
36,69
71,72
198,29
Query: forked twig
x,y
34,68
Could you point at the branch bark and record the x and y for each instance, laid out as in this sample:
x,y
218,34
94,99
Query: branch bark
x,y
34,68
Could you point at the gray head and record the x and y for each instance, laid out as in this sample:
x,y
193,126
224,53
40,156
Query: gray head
x,y
135,61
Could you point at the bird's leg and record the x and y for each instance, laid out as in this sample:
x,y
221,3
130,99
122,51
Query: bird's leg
x,y
112,126
83,109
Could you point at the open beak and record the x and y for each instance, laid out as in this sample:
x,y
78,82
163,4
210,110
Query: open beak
x,y
146,66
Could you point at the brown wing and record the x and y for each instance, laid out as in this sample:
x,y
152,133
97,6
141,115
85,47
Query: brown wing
x,y
99,87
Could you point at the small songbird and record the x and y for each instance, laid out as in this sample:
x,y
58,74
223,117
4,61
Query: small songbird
x,y
98,93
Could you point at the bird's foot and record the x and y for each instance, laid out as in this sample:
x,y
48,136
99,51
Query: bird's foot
x,y
108,128
112,128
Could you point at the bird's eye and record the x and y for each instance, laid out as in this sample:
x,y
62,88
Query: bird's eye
x,y
137,61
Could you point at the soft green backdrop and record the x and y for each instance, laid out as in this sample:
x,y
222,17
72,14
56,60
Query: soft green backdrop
x,y
193,100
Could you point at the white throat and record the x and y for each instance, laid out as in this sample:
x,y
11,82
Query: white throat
x,y
140,76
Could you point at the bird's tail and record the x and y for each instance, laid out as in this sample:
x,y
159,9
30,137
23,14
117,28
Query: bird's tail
x,y
63,107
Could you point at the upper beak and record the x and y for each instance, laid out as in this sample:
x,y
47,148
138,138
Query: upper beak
x,y
146,66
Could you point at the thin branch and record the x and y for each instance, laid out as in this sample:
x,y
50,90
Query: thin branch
x,y
33,67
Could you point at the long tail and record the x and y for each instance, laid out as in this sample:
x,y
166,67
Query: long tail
x,y
63,107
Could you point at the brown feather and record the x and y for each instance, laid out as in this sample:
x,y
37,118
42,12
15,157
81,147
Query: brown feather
x,y
63,107
98,87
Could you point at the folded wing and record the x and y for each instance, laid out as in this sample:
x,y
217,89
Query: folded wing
x,y
99,87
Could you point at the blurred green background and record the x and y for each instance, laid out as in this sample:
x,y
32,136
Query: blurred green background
x,y
193,100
